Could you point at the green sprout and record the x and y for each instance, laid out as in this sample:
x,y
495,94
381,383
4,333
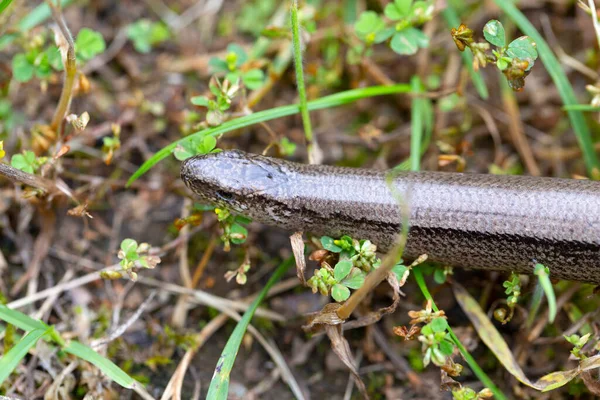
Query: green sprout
x,y
437,344
404,18
578,342
40,60
514,59
145,34
223,93
27,161
513,290
133,257
234,230
236,66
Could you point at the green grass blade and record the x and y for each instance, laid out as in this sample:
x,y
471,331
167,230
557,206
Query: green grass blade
x,y
300,77
4,5
10,360
219,384
481,375
565,89
581,107
105,365
39,15
333,100
20,320
452,20
416,124
544,280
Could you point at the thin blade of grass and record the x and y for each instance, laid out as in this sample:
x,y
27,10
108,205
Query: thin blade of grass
x,y
20,320
452,20
544,281
219,384
416,124
333,100
563,85
482,376
581,107
308,133
4,5
9,362
105,365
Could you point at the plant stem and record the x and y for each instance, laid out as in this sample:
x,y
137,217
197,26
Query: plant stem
x,y
70,69
310,142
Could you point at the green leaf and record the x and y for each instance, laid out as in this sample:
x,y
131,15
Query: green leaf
x,y
438,324
399,269
383,35
523,48
54,58
408,41
185,150
287,147
10,360
328,244
4,5
240,230
217,65
342,269
25,162
219,384
355,279
20,320
398,9
542,273
22,68
368,24
446,347
145,33
253,79
105,365
207,145
202,101
493,32
439,276
89,43
241,56
340,292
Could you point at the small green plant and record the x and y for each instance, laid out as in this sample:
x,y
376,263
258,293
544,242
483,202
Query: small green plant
x,y
400,27
133,257
337,281
578,342
38,330
514,59
234,230
27,161
437,345
110,144
237,66
145,34
223,94
254,16
355,258
513,290
196,146
40,59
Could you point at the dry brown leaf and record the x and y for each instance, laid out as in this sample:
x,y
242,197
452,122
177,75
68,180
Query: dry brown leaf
x,y
340,346
298,250
495,342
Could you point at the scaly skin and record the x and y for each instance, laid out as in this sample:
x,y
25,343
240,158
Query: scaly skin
x,y
495,222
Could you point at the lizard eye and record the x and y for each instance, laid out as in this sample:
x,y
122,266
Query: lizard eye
x,y
225,196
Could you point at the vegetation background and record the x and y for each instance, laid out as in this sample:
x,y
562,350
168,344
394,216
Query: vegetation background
x,y
117,284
